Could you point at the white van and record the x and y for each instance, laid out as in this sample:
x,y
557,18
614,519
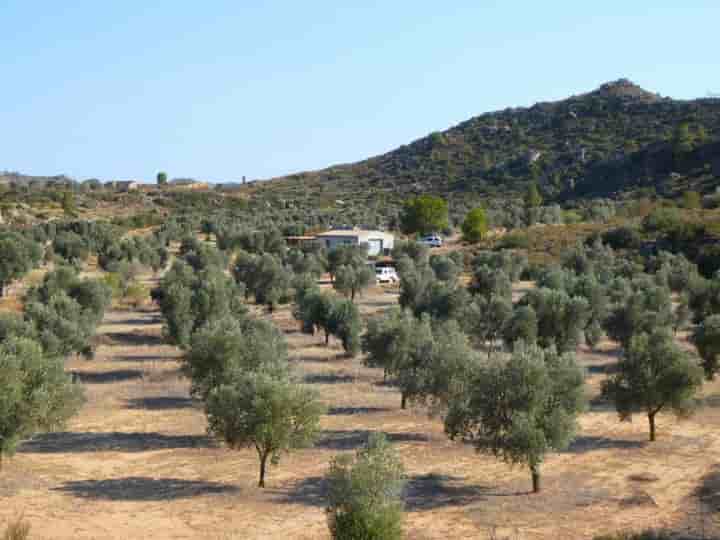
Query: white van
x,y
386,274
433,241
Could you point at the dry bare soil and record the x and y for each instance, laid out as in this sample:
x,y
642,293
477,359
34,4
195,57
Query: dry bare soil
x,y
136,462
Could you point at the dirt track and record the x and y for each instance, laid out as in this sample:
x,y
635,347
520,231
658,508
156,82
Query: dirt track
x,y
136,463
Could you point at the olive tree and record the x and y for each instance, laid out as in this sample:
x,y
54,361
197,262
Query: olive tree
x,y
647,308
653,374
225,348
560,317
520,408
365,493
400,344
706,338
37,395
343,321
349,280
17,256
271,414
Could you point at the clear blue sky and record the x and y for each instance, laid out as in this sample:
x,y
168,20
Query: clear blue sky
x,y
221,89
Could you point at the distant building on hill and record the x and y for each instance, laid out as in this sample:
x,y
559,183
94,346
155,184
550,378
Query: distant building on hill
x,y
187,184
125,186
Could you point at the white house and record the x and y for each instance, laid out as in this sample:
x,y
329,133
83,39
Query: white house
x,y
378,242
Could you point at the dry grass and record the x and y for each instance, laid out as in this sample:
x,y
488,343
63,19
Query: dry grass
x,y
136,462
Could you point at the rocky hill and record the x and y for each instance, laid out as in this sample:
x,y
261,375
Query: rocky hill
x,y
607,142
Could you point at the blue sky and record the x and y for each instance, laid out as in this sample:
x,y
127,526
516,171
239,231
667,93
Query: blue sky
x,y
221,89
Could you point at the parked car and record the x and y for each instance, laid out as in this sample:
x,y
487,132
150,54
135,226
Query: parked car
x,y
386,274
433,241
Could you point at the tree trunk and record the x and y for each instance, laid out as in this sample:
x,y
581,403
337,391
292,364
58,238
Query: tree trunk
x,y
352,294
651,420
327,338
403,401
263,461
535,471
2,290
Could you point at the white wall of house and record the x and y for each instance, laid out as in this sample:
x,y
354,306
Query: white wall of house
x,y
377,241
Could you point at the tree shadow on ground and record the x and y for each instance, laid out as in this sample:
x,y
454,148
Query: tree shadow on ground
x,y
143,489
328,378
310,491
146,358
601,369
154,319
349,411
162,403
350,439
430,491
422,492
74,442
134,339
589,443
712,401
105,377
708,490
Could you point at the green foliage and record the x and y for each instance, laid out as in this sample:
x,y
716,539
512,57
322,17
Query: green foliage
x,y
72,247
475,226
648,308
18,255
225,348
424,214
350,280
354,256
445,267
68,204
533,199
487,319
271,414
706,338
188,300
415,251
343,321
622,238
65,311
654,374
426,362
364,493
162,178
335,316
512,263
520,408
560,317
522,326
37,395
423,293
487,282
515,240
691,200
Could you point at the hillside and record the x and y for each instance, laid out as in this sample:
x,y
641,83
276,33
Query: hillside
x,y
602,143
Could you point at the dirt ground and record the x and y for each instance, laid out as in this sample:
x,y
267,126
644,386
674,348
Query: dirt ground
x,y
136,462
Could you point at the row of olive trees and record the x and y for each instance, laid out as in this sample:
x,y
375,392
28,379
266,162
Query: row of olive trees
x,y
59,318
18,255
592,293
319,311
237,364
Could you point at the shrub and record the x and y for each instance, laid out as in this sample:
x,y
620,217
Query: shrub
x,y
364,493
515,240
475,226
